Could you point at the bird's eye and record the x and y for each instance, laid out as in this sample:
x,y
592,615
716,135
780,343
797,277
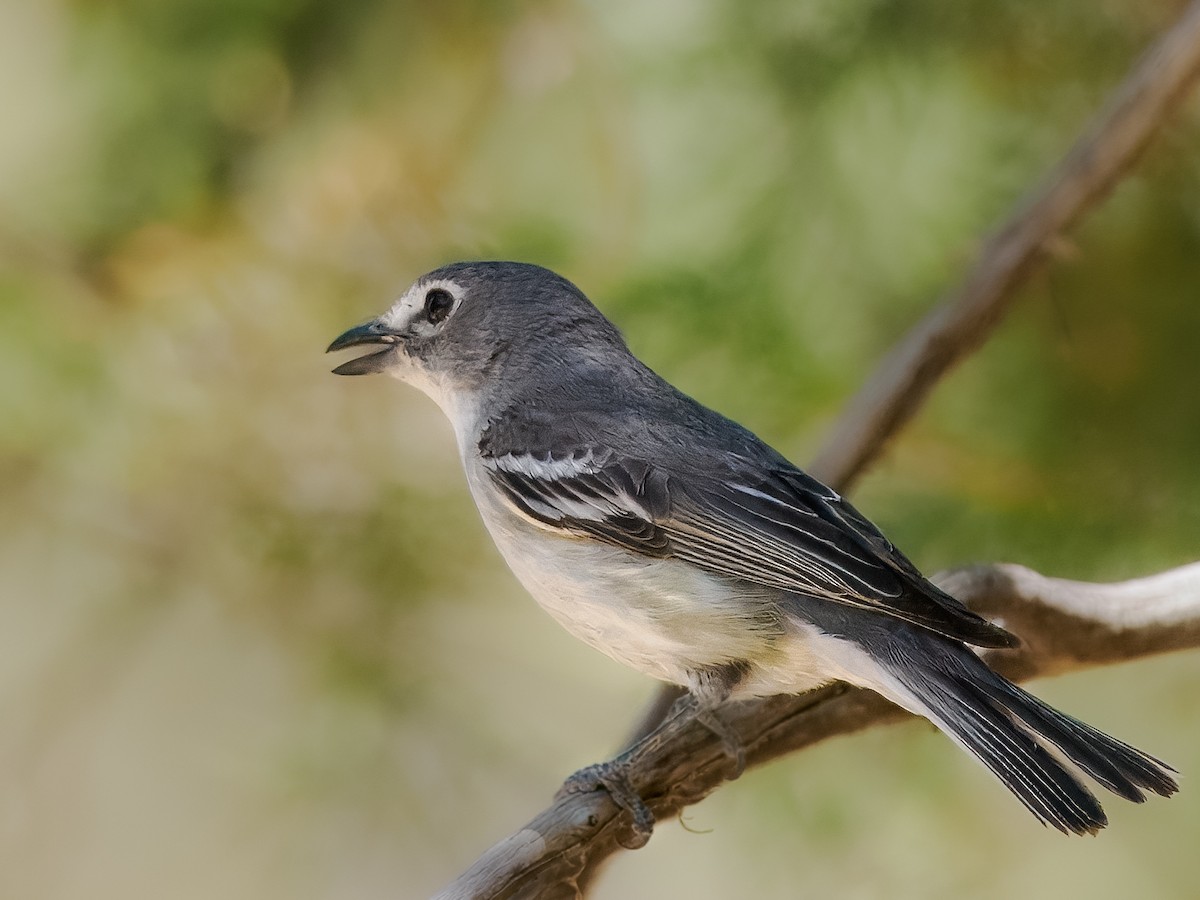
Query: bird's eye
x,y
438,303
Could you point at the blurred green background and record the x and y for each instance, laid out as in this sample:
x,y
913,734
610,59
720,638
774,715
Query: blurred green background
x,y
253,641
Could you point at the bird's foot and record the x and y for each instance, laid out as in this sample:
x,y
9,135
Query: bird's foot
x,y
613,776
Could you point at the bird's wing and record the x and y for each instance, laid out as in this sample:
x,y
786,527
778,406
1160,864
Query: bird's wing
x,y
771,525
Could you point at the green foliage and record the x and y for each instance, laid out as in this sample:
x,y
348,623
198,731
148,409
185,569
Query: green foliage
x,y
219,563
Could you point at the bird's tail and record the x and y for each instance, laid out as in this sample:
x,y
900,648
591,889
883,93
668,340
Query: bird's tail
x,y
1023,742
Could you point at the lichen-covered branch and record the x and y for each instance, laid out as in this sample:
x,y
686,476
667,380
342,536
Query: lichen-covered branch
x,y
1065,625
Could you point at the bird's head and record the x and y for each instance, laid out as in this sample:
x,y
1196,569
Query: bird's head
x,y
462,325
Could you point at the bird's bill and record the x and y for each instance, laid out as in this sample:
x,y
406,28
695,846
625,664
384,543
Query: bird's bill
x,y
370,333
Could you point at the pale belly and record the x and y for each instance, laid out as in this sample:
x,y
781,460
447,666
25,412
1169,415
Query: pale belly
x,y
662,617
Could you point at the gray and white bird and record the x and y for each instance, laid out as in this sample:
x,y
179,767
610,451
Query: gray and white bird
x,y
679,543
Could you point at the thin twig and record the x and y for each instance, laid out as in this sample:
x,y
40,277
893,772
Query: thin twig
x,y
1100,158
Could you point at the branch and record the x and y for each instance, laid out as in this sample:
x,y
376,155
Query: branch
x,y
1065,625
560,848
1100,158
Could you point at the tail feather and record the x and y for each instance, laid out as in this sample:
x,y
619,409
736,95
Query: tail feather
x,y
1046,788
1014,734
1124,770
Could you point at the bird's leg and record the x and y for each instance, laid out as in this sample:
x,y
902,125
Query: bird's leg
x,y
712,720
708,689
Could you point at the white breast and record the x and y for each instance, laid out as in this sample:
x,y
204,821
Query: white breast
x,y
661,617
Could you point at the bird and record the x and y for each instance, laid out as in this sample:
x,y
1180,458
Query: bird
x,y
677,542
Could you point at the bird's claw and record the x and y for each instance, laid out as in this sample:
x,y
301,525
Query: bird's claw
x,y
613,776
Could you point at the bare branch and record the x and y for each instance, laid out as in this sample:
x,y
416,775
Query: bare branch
x,y
1100,158
1066,625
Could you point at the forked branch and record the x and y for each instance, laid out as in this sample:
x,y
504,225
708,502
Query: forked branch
x,y
1103,155
1065,625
